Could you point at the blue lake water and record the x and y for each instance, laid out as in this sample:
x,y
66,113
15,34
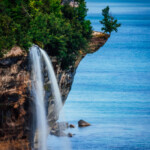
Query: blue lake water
x,y
111,89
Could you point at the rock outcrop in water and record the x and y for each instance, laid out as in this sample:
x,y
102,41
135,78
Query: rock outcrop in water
x,y
16,103
82,123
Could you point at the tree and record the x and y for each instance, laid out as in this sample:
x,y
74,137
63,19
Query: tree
x,y
109,23
62,30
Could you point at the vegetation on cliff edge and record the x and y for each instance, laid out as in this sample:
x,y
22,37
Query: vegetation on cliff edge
x,y
109,23
61,30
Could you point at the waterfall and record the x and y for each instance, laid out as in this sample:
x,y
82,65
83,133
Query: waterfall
x,y
38,94
65,144
54,84
37,56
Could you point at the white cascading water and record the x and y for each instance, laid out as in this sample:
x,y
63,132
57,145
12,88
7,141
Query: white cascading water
x,y
38,93
65,144
54,84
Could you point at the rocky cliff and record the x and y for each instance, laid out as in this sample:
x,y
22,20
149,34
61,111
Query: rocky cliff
x,y
16,103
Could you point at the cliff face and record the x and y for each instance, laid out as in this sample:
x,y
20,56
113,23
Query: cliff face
x,y
16,104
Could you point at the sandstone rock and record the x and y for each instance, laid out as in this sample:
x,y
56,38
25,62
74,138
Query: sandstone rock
x,y
72,126
82,123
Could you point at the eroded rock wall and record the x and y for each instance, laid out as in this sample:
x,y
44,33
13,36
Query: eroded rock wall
x,y
15,100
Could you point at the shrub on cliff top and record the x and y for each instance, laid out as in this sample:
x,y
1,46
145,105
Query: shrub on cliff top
x,y
60,29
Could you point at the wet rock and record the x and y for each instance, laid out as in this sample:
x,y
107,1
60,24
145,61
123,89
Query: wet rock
x,y
70,135
9,61
60,126
72,126
82,123
57,133
58,129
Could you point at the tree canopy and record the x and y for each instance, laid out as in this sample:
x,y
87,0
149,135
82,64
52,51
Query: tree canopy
x,y
61,30
109,23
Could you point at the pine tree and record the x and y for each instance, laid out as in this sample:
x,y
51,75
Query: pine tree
x,y
109,23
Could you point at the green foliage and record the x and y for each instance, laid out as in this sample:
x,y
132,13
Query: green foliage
x,y
60,29
7,27
110,24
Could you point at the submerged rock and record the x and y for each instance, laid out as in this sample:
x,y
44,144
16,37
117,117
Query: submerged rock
x,y
70,135
72,126
58,129
57,133
60,126
82,123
